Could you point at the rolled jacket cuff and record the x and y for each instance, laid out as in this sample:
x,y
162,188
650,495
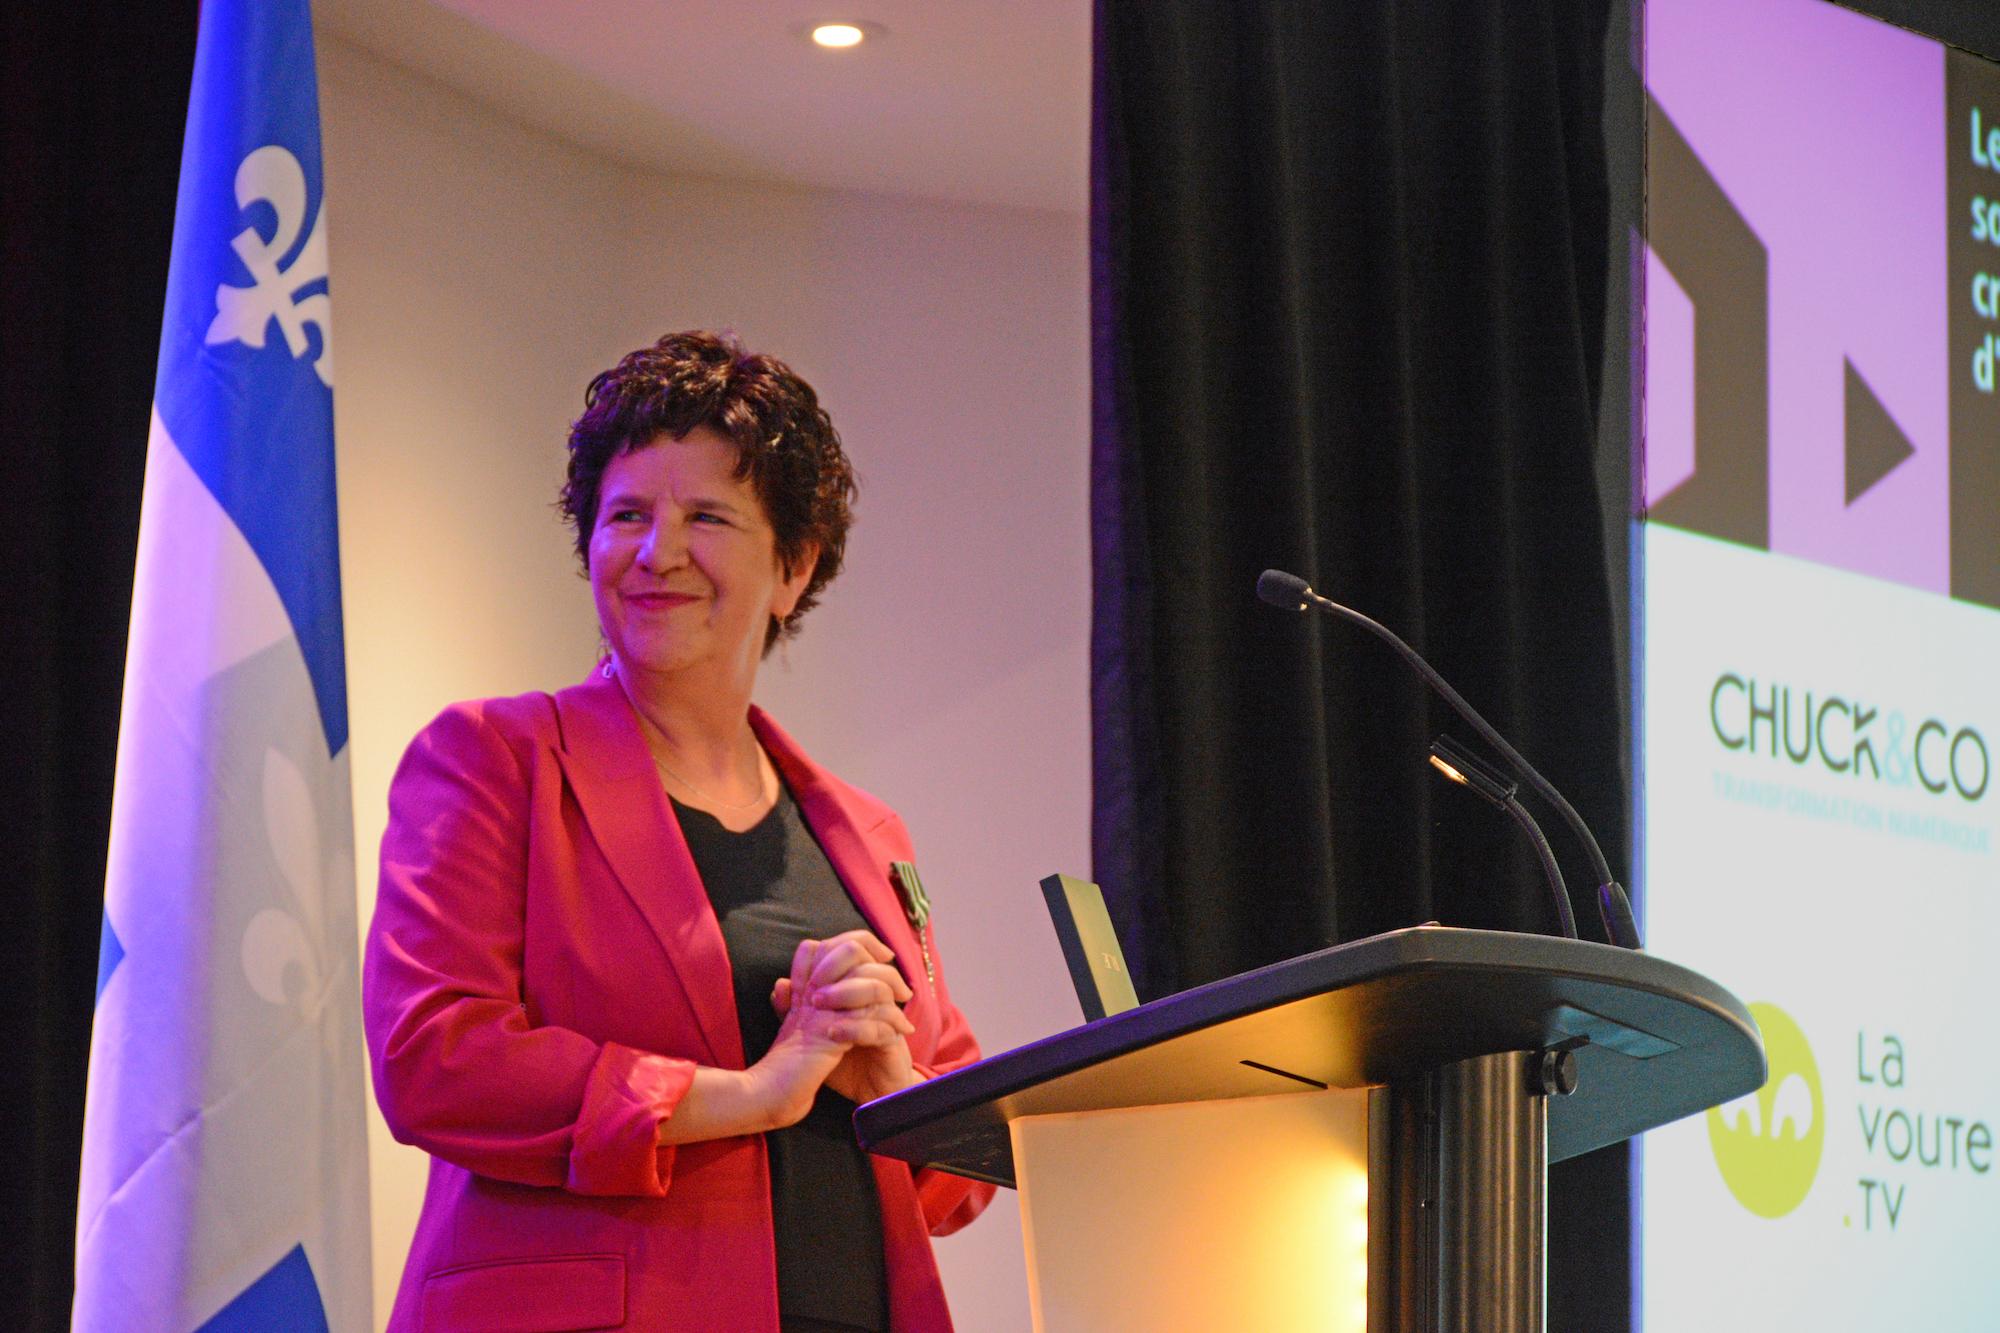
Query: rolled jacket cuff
x,y
617,1148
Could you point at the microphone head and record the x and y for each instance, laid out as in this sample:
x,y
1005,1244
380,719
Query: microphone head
x,y
1281,589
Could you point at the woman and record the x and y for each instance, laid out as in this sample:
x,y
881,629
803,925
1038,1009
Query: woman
x,y
635,956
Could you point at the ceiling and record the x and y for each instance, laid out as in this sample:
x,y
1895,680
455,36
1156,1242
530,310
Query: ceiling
x,y
978,101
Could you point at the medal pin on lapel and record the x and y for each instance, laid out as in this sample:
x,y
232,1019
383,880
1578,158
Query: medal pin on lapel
x,y
916,906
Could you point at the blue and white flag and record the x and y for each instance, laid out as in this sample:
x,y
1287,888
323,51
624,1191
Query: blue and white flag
x,y
225,1158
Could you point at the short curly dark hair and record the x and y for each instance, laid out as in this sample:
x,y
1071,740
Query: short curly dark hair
x,y
786,446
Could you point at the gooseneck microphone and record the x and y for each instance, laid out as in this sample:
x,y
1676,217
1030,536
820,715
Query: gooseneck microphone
x,y
1294,594
1467,770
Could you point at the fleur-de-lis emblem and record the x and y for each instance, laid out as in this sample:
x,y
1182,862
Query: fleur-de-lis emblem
x,y
284,950
242,314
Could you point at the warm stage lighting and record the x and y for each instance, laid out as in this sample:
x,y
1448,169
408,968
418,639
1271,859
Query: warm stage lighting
x,y
838,35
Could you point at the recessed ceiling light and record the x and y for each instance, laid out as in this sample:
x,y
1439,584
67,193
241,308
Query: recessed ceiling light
x,y
838,34
843,35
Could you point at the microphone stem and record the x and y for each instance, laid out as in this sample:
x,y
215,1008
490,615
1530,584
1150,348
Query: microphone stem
x,y
1565,914
1599,866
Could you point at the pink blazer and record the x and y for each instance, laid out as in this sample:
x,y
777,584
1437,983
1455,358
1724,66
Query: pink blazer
x,y
542,976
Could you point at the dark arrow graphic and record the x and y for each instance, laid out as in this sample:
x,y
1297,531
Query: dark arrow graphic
x,y
1876,445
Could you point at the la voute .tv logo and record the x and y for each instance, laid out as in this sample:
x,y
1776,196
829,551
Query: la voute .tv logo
x,y
1768,1144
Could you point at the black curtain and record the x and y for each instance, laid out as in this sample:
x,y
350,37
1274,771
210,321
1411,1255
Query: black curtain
x,y
1350,280
1350,275
93,97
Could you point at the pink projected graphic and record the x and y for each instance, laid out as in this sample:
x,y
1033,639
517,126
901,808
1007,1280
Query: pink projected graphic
x,y
1804,200
1669,457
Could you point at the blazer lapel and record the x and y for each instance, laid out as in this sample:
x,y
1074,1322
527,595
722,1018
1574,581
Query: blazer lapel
x,y
605,760
834,823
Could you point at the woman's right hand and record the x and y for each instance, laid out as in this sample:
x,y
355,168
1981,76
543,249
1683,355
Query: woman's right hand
x,y
853,1009
776,1091
810,1043
857,978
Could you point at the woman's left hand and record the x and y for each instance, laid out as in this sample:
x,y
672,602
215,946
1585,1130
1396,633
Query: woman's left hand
x,y
864,988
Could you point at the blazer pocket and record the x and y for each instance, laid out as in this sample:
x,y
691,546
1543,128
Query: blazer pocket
x,y
581,1291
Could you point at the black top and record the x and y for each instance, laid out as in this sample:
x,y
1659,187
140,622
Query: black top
x,y
771,887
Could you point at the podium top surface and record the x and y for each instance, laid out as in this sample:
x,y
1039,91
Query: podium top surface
x,y
1654,1042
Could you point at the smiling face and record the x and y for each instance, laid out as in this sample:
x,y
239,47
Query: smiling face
x,y
684,565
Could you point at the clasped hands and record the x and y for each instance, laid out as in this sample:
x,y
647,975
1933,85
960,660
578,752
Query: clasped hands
x,y
842,1025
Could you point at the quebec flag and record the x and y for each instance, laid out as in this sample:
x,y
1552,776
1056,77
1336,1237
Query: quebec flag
x,y
225,1161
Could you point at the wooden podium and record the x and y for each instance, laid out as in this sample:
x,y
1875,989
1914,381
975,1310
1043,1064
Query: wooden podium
x,y
1354,1139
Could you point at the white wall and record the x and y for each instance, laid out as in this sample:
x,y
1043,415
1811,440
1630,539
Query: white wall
x,y
482,272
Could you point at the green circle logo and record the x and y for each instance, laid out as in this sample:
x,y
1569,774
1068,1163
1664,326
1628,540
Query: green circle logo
x,y
1768,1143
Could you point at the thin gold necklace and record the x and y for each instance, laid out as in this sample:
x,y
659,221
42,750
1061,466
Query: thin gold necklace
x,y
610,670
758,799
